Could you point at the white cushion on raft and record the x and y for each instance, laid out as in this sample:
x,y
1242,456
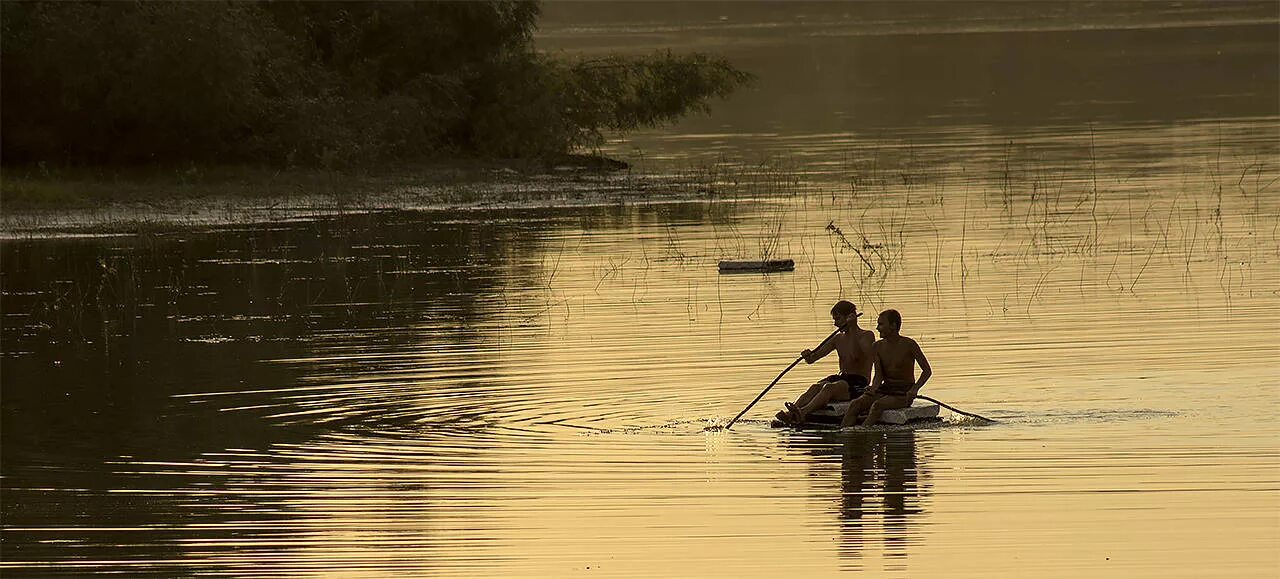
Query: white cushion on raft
x,y
919,409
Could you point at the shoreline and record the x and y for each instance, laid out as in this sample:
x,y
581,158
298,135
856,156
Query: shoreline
x,y
93,201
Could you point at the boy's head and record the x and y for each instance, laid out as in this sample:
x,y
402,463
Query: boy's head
x,y
843,312
889,323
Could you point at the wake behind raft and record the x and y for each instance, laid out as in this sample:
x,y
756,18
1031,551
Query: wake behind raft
x,y
920,413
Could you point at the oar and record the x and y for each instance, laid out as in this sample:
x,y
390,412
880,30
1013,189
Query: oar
x,y
775,380
954,409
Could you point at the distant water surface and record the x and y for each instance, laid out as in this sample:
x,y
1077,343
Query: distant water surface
x,y
526,392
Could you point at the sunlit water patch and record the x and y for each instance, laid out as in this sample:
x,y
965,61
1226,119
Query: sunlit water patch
x,y
538,396
533,389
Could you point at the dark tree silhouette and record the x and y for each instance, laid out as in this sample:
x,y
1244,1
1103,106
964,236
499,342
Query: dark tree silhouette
x,y
326,83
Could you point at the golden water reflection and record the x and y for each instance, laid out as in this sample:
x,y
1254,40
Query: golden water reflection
x,y
525,391
883,486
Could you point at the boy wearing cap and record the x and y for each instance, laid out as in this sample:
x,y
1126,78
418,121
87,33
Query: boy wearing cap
x,y
853,345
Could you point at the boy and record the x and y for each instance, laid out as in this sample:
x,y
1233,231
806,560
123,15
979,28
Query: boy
x,y
853,344
895,385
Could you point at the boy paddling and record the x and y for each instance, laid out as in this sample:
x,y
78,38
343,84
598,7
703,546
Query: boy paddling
x,y
895,384
853,345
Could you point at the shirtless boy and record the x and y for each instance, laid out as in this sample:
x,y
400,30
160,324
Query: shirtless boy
x,y
853,345
895,384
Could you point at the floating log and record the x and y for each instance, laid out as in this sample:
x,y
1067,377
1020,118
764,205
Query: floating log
x,y
757,266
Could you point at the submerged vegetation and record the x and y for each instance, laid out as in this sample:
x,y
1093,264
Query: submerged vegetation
x,y
326,84
1016,236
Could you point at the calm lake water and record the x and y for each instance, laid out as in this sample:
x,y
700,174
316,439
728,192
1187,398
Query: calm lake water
x,y
1074,208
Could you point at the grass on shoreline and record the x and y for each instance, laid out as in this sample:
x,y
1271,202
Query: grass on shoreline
x,y
40,188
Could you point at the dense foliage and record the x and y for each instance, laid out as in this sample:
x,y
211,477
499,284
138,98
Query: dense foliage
x,y
316,83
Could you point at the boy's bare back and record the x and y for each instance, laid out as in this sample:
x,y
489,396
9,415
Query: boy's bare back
x,y
855,351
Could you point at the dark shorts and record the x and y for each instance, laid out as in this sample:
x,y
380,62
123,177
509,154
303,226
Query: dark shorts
x,y
857,383
894,389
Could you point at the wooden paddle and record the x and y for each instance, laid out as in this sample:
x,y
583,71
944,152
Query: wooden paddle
x,y
784,372
954,409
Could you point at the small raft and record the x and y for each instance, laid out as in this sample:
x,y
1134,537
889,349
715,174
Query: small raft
x,y
757,266
919,413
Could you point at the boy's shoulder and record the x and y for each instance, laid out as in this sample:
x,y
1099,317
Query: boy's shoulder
x,y
899,342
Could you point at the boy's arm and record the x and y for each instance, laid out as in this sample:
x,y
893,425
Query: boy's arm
x,y
811,356
877,368
925,370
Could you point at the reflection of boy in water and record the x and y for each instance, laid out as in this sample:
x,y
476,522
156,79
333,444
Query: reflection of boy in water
x,y
853,344
895,384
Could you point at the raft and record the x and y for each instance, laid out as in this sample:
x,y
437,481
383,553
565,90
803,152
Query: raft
x,y
919,413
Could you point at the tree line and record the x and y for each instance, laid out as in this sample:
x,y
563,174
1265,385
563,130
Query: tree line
x,y
317,83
